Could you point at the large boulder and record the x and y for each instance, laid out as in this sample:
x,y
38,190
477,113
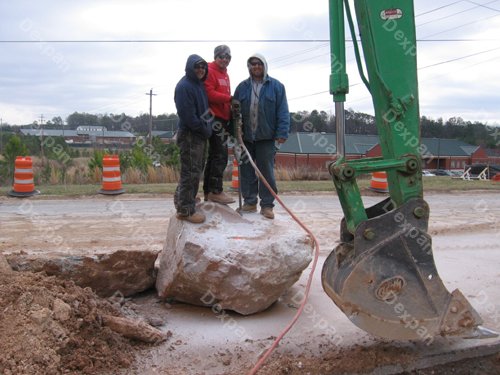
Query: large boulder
x,y
239,263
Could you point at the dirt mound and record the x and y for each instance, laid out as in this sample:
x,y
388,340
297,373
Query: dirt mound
x,y
51,326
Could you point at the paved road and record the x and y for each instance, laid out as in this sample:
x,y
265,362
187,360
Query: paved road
x,y
134,222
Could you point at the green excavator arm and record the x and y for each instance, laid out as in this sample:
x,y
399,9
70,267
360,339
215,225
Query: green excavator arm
x,y
382,275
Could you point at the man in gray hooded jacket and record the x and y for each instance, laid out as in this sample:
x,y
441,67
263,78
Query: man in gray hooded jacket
x,y
266,121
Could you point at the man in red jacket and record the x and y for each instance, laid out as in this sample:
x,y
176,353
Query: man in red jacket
x,y
218,90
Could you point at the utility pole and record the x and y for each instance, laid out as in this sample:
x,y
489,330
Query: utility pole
x,y
439,146
41,137
1,145
150,138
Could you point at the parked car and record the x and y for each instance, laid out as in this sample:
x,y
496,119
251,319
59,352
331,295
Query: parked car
x,y
427,173
442,172
457,173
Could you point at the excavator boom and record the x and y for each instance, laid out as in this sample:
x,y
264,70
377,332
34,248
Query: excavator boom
x,y
382,275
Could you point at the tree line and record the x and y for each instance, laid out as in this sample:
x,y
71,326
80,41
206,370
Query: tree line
x,y
475,133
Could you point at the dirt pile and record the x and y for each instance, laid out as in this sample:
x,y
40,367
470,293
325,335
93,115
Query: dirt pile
x,y
52,326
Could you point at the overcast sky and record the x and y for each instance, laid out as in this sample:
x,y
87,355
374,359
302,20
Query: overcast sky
x,y
115,51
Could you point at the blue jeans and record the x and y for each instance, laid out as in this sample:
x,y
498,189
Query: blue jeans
x,y
192,155
262,153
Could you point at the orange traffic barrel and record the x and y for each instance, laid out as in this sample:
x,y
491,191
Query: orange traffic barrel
x,y
24,183
111,177
379,182
235,180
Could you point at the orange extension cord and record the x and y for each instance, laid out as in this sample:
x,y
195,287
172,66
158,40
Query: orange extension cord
x,y
269,351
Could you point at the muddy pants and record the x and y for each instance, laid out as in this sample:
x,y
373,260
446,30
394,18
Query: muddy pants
x,y
192,155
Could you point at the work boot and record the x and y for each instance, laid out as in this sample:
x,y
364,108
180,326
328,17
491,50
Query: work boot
x,y
249,207
196,218
267,212
221,197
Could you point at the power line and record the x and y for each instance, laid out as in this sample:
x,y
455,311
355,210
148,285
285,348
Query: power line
x,y
233,41
424,67
463,25
301,52
301,61
453,14
168,41
484,5
438,8
459,58
292,55
433,77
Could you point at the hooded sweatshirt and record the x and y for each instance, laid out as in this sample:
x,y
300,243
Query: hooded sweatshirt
x,y
191,100
267,101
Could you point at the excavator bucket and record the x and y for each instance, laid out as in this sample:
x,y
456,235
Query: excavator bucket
x,y
384,278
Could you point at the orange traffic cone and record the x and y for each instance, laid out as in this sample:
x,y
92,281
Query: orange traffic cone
x,y
379,182
235,181
111,178
24,185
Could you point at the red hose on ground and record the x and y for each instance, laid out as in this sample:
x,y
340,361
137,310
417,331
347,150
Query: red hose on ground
x,y
269,351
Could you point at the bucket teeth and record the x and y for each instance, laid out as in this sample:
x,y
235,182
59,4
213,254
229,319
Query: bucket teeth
x,y
459,317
